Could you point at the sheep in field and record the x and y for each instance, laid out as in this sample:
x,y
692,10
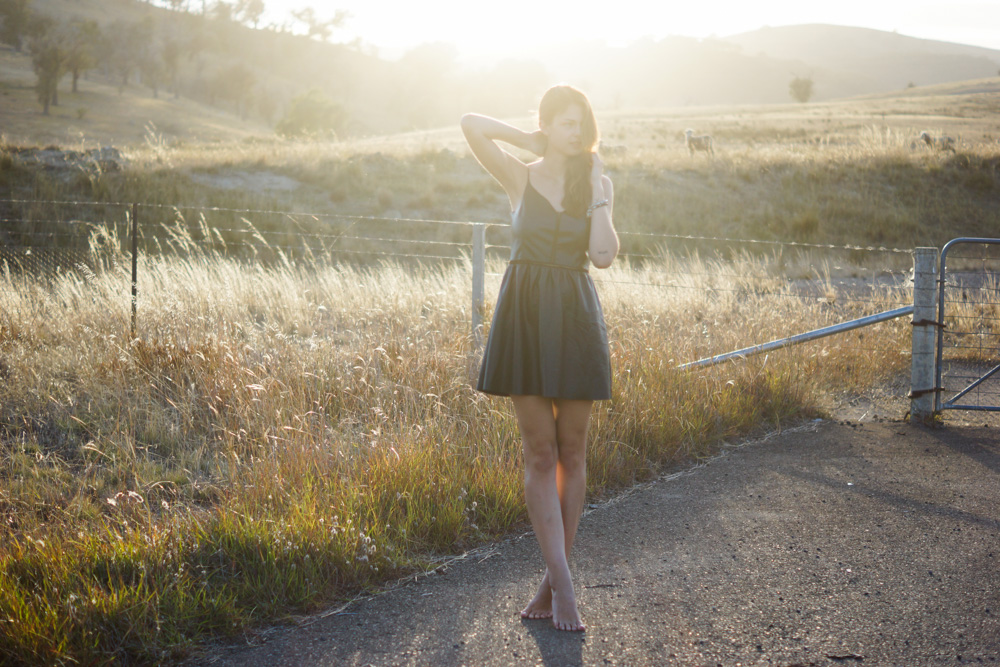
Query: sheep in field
x,y
942,143
698,143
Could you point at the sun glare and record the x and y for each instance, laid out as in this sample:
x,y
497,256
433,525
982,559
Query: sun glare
x,y
519,28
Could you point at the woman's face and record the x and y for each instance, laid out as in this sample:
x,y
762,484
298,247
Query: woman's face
x,y
564,131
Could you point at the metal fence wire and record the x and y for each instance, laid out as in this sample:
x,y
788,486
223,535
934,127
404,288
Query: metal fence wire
x,y
968,366
52,237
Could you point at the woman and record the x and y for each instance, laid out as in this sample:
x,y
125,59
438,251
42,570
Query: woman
x,y
548,346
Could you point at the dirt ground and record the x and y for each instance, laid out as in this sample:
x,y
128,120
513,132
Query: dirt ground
x,y
858,539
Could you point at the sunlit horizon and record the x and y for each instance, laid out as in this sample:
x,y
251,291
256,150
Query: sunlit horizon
x,y
523,28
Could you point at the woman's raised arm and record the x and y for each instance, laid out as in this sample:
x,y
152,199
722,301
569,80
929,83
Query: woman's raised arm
x,y
483,133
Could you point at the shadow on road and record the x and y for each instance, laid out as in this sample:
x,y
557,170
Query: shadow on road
x,y
556,648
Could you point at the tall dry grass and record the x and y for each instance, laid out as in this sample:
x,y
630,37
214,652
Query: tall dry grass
x,y
280,437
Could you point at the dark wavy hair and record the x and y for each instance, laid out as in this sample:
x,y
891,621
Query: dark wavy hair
x,y
577,192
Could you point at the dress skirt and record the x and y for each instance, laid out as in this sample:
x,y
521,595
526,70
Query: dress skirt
x,y
548,337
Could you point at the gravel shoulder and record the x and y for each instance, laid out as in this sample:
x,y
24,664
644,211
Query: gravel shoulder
x,y
839,542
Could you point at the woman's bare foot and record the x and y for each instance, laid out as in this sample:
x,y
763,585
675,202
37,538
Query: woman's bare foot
x,y
565,615
540,605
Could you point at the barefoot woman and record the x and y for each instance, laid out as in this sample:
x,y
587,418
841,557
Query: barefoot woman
x,y
548,346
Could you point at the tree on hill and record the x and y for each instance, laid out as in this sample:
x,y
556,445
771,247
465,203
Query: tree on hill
x,y
312,114
222,11
317,27
249,11
151,69
120,49
801,88
234,84
81,47
171,62
195,41
48,58
15,20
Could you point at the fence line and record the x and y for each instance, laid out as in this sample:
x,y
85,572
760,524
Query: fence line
x,y
178,233
222,209
370,218
823,246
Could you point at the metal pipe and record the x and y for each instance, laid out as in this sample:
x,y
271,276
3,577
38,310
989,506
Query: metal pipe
x,y
135,256
478,281
802,337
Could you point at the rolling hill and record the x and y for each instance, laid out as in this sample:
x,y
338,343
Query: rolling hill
x,y
427,88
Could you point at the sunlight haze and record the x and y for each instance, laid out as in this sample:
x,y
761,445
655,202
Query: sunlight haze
x,y
518,28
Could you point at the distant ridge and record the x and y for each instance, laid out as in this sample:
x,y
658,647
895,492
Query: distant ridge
x,y
848,61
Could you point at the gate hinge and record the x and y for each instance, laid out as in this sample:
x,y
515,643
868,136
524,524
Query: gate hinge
x,y
923,392
920,323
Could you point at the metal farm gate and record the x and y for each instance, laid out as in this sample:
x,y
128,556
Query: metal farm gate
x,y
968,338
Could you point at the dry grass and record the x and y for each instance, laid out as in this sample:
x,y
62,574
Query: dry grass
x,y
276,438
280,435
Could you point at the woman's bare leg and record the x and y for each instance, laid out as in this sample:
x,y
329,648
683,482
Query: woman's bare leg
x,y
554,435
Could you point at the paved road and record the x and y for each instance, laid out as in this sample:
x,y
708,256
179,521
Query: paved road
x,y
841,544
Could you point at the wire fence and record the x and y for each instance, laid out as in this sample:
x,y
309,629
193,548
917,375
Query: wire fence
x,y
43,239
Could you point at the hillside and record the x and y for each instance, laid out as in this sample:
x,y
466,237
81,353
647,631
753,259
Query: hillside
x,y
100,114
427,87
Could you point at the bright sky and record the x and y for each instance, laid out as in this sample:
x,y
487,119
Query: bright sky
x,y
514,27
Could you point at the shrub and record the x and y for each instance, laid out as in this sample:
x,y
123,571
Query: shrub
x,y
312,114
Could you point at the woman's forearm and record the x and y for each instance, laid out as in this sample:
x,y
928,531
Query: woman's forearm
x,y
604,243
476,125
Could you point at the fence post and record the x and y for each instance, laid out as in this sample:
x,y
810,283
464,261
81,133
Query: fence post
x,y
135,259
922,390
478,282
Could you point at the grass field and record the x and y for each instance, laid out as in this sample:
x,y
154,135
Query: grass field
x,y
851,172
279,437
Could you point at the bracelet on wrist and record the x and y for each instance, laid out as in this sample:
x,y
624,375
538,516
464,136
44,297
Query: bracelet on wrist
x,y
596,205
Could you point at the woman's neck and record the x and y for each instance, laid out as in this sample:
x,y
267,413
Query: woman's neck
x,y
553,166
